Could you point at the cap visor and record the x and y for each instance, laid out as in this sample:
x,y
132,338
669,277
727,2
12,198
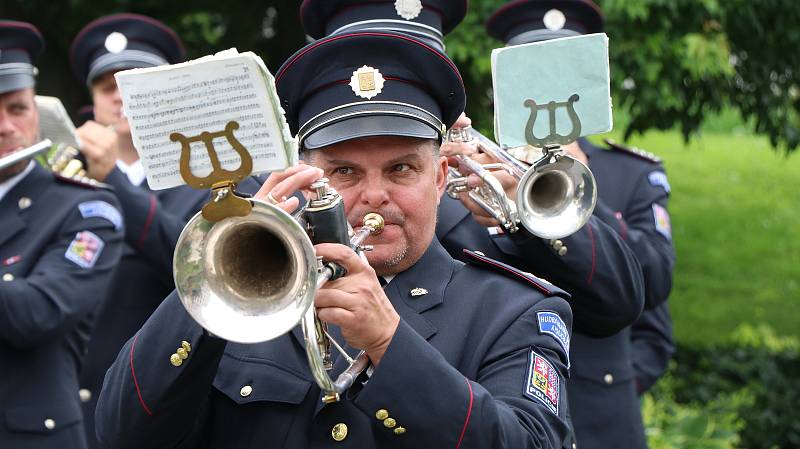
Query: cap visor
x,y
368,126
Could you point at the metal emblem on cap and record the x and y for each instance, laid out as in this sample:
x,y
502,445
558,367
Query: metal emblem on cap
x,y
554,20
116,42
367,82
408,9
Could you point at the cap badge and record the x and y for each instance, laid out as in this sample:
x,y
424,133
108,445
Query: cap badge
x,y
367,82
418,291
116,42
554,20
408,9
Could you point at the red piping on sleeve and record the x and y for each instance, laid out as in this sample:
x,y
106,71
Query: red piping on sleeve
x,y
148,222
594,258
469,412
135,381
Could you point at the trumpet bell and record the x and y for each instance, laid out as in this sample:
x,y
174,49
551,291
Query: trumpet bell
x,y
556,198
246,279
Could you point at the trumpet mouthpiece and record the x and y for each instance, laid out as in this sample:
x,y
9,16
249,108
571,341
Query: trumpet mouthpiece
x,y
375,222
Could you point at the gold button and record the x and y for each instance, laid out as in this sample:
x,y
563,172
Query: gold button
x,y
85,394
8,277
49,424
245,391
381,414
389,422
182,353
399,430
176,360
608,378
558,244
339,431
562,251
185,345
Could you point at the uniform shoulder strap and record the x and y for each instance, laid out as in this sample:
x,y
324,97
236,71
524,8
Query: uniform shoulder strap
x,y
478,259
633,151
81,181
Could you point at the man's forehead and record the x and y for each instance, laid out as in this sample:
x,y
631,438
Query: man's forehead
x,y
20,94
377,149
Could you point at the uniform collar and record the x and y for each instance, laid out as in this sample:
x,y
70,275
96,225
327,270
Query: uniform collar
x,y
14,180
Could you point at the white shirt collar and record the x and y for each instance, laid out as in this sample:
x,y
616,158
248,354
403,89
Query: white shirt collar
x,y
10,183
134,171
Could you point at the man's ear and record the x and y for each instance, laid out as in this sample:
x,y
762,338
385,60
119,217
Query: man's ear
x,y
441,174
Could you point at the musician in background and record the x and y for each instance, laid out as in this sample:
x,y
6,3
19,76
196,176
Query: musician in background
x,y
456,361
632,201
59,243
153,219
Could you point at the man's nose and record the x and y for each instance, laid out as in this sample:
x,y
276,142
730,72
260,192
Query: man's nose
x,y
376,192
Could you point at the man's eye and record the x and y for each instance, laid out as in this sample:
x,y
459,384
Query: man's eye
x,y
343,171
18,108
401,167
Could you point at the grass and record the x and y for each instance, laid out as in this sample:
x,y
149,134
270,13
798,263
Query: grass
x,y
735,209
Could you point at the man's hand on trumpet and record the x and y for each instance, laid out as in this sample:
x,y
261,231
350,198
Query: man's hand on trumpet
x,y
355,302
453,149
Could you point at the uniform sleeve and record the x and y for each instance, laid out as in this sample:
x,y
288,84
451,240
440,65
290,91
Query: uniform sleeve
x,y
518,400
653,347
646,228
150,228
148,401
595,266
67,283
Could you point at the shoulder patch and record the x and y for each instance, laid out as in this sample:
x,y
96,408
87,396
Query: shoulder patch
x,y
661,218
479,259
659,179
542,382
85,249
633,151
101,209
550,323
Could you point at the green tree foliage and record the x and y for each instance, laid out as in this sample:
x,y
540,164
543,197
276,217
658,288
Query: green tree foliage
x,y
674,62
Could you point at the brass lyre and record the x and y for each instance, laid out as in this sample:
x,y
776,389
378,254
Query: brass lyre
x,y
553,137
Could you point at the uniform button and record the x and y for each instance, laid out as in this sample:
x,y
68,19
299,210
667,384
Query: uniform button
x,y
339,431
558,244
185,345
85,395
245,391
608,378
24,202
182,353
389,422
562,251
49,424
175,360
574,446
399,430
8,277
382,414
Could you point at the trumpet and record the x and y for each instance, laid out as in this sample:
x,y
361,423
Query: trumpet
x,y
252,278
555,196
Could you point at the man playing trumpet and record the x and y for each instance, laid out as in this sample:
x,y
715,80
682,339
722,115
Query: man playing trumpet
x,y
456,359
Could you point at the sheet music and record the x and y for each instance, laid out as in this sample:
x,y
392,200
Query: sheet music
x,y
203,96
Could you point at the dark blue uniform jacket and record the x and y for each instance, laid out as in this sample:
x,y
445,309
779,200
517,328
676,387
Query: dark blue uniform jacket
x,y
467,368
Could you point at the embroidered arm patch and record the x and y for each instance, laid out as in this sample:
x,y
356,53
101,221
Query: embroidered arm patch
x,y
659,178
552,324
101,209
661,218
85,249
542,383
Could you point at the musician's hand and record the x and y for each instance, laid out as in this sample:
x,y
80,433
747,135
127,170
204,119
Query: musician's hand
x,y
574,150
508,182
356,303
452,149
100,146
280,186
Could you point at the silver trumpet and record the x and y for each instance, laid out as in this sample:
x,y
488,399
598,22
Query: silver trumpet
x,y
25,153
252,278
555,196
